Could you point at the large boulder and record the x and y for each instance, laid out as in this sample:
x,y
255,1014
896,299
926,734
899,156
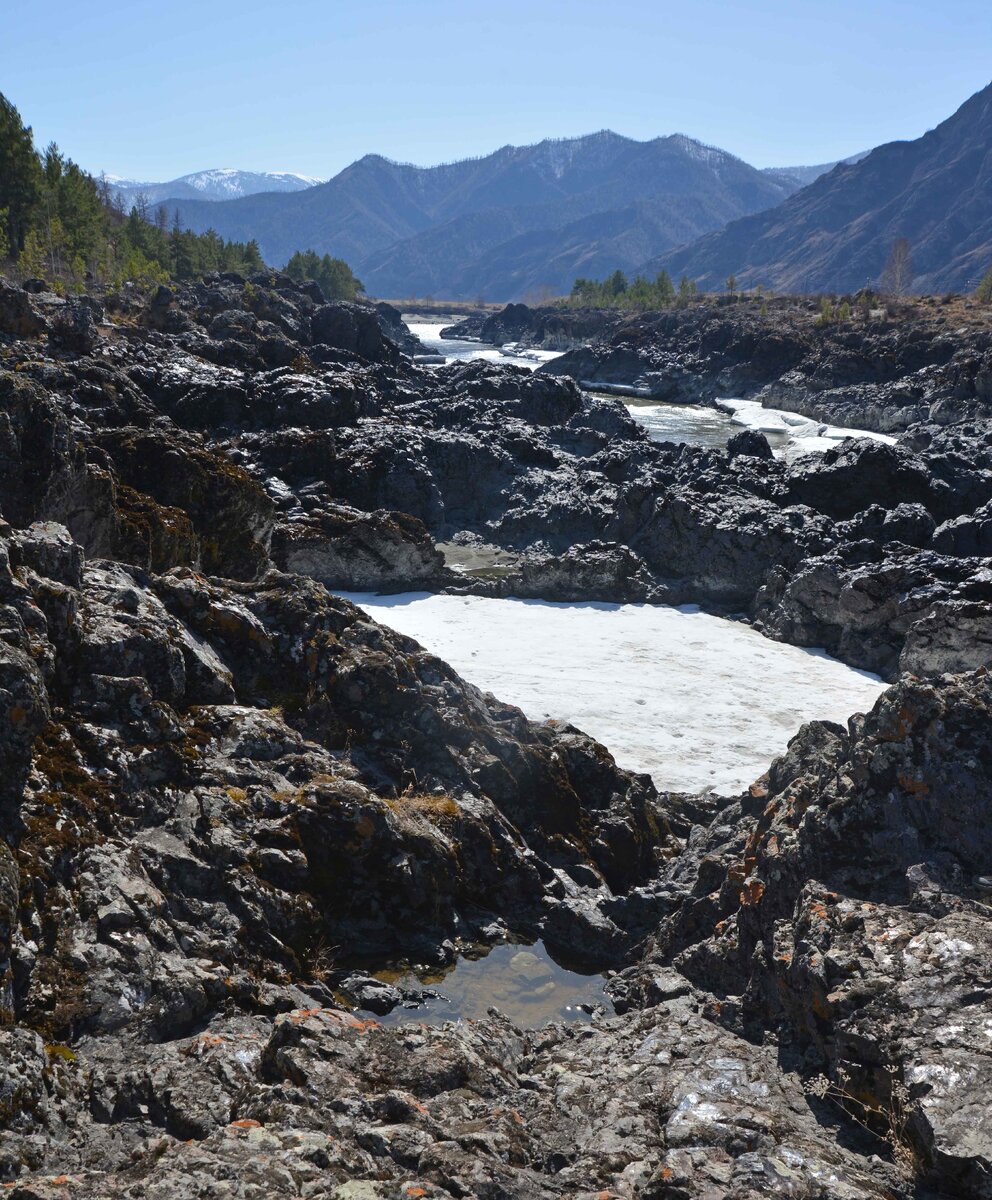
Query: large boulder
x,y
18,316
353,329
862,472
345,548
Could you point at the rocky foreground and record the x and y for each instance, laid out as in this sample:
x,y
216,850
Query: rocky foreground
x,y
227,796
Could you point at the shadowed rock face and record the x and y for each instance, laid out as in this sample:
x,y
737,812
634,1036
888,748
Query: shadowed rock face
x,y
227,795
880,374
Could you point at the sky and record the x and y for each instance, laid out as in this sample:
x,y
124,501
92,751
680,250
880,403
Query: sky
x,y
153,90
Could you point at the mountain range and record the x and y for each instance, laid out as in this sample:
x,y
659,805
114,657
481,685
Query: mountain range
x,y
837,233
519,220
527,220
218,183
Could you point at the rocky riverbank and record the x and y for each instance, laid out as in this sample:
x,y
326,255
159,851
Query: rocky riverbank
x,y
550,327
228,796
931,362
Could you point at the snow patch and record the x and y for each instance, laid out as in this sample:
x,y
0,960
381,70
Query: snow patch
x,y
696,701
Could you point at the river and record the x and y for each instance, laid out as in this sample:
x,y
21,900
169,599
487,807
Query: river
x,y
789,434
696,701
701,703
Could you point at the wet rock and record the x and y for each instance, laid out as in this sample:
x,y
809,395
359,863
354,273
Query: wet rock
x,y
750,442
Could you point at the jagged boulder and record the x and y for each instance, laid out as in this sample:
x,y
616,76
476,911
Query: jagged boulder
x,y
18,316
344,548
354,330
750,442
843,902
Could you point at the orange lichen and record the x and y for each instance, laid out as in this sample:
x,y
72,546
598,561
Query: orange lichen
x,y
752,891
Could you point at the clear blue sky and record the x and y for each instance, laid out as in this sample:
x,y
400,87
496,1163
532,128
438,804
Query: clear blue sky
x,y
152,90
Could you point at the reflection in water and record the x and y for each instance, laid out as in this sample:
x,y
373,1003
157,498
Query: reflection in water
x,y
524,982
478,560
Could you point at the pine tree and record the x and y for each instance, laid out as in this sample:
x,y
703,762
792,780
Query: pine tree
x,y
616,285
664,289
983,293
20,175
687,289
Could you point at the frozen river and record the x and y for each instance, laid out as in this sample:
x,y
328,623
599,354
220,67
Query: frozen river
x,y
696,701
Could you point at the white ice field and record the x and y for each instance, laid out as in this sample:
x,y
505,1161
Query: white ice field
x,y
696,701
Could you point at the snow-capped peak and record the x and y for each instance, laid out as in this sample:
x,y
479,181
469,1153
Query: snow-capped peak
x,y
216,183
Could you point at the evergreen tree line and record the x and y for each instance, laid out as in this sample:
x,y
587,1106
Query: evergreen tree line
x,y
616,292
60,224
335,277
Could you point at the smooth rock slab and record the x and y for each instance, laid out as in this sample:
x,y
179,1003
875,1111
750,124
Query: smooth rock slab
x,y
694,700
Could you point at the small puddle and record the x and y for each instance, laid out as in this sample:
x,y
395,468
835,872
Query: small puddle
x,y
523,982
478,561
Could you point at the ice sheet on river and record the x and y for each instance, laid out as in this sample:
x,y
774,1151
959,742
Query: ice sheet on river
x,y
805,434
696,701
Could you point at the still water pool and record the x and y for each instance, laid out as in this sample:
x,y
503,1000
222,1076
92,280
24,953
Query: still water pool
x,y
523,982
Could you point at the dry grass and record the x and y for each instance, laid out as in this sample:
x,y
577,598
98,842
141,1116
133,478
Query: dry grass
x,y
435,806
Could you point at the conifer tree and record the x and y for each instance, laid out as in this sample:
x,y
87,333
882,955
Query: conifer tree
x,y
20,174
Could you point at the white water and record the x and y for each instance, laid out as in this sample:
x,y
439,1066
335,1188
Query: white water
x,y
803,434
789,434
691,423
696,701
429,333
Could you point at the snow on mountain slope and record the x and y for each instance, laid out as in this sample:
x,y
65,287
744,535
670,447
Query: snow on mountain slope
x,y
218,183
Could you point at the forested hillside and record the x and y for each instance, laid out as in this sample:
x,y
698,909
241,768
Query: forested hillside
x,y
58,223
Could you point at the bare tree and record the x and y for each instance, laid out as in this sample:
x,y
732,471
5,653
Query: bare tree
x,y
141,204
162,220
898,274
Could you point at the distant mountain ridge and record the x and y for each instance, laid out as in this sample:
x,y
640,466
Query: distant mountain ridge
x,y
218,183
502,226
836,234
805,175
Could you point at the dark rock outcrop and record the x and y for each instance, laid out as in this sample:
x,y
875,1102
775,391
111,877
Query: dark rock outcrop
x,y
864,961
879,374
230,800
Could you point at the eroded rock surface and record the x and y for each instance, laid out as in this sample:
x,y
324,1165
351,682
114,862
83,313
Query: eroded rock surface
x,y
227,796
